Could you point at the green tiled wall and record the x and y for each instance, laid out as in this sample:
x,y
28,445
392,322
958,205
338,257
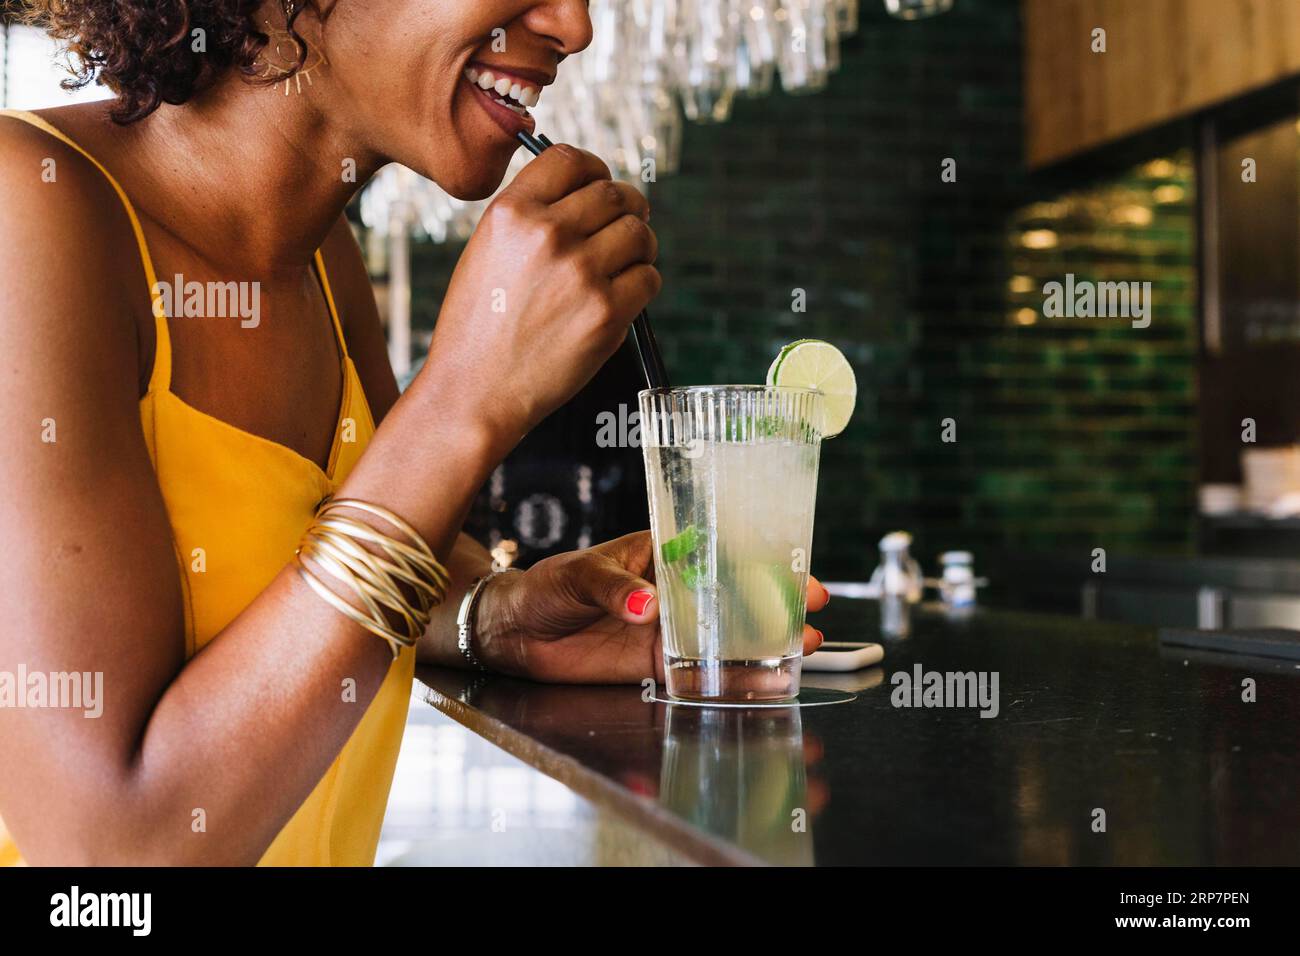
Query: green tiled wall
x,y
1070,432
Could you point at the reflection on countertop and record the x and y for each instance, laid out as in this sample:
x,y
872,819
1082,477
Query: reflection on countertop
x,y
458,800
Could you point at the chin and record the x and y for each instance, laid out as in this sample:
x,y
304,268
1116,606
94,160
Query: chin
x,y
473,191
479,181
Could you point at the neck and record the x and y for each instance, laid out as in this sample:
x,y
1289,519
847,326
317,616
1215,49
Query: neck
x,y
251,173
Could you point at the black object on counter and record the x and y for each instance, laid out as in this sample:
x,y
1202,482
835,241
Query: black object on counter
x,y
1259,641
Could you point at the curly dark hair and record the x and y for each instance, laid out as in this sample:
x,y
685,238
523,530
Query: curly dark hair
x,y
143,50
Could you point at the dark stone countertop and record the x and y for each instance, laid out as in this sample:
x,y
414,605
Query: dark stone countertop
x,y
1091,715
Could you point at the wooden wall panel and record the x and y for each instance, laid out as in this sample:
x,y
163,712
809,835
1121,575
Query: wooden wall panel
x,y
1164,59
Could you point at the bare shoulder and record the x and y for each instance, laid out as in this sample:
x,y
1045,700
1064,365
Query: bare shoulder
x,y
67,249
68,326
45,175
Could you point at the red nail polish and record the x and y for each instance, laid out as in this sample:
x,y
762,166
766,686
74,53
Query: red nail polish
x,y
821,638
638,601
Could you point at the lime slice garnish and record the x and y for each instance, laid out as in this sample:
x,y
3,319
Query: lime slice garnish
x,y
812,363
767,597
681,546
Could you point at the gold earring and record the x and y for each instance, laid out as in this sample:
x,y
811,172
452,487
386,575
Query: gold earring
x,y
283,48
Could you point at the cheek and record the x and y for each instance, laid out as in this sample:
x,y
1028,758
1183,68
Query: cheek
x,y
422,116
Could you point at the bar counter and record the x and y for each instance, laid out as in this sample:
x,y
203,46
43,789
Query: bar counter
x,y
1106,748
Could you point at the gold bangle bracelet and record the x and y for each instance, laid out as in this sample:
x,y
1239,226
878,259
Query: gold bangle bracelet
x,y
346,609
335,543
373,619
355,566
415,564
371,591
422,553
427,581
370,568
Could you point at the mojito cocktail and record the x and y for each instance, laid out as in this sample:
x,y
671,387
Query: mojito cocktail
x,y
732,478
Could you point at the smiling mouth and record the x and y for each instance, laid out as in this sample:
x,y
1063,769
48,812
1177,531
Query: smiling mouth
x,y
504,90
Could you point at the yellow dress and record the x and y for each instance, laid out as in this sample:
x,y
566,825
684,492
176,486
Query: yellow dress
x,y
246,501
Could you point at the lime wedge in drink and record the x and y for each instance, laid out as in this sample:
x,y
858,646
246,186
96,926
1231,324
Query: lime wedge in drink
x,y
812,363
766,598
693,577
681,546
683,551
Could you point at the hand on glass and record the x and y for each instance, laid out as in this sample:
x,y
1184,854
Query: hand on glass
x,y
587,617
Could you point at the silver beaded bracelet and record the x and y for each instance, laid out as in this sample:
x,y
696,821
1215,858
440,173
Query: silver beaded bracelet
x,y
467,615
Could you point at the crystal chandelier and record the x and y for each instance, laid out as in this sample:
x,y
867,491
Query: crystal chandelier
x,y
652,65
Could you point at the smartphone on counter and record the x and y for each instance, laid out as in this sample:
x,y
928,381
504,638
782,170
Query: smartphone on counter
x,y
843,656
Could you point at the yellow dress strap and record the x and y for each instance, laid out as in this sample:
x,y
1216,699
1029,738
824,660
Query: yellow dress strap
x,y
161,376
329,299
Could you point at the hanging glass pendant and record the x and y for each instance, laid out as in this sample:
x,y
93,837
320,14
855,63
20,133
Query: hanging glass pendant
x,y
916,9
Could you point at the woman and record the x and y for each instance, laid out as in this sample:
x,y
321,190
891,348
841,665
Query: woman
x,y
173,456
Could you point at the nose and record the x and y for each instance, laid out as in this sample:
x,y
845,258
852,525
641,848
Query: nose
x,y
566,24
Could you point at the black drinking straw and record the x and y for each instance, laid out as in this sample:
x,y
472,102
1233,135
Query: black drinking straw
x,y
652,363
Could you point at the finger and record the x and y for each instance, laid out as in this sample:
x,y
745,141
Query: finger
x,y
597,204
619,592
634,551
632,289
625,242
812,639
817,795
556,173
818,596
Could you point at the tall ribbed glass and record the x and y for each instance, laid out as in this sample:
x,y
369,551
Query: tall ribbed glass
x,y
731,472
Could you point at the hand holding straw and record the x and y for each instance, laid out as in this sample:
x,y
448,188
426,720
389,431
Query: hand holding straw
x,y
652,363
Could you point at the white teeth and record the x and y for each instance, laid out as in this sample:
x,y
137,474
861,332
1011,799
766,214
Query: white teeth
x,y
522,96
513,106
